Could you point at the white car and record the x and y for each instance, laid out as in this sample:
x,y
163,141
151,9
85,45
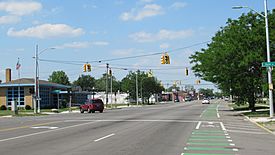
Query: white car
x,y
205,101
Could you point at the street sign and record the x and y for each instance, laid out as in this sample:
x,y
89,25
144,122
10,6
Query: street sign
x,y
268,64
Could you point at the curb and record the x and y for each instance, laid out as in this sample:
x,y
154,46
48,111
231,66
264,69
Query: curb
x,y
259,125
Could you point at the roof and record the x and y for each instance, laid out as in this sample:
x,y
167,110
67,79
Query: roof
x,y
30,82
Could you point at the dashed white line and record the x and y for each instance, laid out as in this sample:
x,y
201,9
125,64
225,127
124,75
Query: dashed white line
x,y
110,135
198,125
223,128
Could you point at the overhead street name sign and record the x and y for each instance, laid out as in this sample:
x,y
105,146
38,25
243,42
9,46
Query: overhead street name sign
x,y
268,64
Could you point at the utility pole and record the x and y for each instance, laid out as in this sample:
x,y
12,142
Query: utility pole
x,y
35,81
271,111
107,69
111,74
137,87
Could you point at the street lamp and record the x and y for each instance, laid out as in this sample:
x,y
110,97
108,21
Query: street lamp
x,y
271,109
36,79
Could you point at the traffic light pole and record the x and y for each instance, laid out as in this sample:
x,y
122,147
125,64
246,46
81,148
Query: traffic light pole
x,y
107,69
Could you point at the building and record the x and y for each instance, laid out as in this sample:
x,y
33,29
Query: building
x,y
22,90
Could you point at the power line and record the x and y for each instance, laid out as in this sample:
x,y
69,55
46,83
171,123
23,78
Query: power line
x,y
122,58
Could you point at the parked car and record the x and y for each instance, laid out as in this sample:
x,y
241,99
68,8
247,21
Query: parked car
x,y
226,98
188,98
205,101
92,105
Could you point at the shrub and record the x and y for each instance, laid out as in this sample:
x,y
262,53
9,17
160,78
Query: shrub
x,y
3,107
28,107
9,108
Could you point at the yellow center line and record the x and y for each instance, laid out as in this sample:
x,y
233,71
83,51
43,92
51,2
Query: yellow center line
x,y
28,126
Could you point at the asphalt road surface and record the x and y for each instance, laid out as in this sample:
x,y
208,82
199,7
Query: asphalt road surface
x,y
167,129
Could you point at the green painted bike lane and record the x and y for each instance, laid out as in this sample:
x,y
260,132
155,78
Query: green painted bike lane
x,y
209,137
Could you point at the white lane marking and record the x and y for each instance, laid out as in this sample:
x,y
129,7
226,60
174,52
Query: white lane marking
x,y
44,127
218,115
210,123
240,125
99,139
246,129
198,125
223,128
247,132
235,149
230,140
43,132
231,144
137,120
228,137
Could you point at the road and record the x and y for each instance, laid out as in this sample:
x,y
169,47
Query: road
x,y
167,129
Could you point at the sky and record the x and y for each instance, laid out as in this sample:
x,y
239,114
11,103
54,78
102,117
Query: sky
x,y
94,30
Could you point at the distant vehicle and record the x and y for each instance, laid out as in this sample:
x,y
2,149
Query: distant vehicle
x,y
187,98
226,98
92,105
205,101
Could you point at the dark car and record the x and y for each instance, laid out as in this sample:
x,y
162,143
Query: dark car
x,y
92,105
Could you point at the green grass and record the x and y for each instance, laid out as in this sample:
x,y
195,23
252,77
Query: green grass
x,y
246,107
270,125
263,113
20,113
257,114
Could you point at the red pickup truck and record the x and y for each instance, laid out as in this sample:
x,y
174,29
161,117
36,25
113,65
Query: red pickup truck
x,y
92,105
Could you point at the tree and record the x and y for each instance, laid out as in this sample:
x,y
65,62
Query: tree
x,y
86,82
206,92
146,85
101,83
59,77
233,59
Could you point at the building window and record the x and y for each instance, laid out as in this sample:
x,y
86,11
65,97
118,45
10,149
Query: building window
x,y
13,95
45,96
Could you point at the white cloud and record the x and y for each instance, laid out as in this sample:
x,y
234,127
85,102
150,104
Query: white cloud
x,y
20,8
80,45
10,19
47,31
149,10
161,35
164,46
100,43
178,5
123,52
76,45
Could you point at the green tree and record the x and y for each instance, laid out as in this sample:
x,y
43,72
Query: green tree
x,y
233,59
206,92
101,83
147,86
59,77
86,82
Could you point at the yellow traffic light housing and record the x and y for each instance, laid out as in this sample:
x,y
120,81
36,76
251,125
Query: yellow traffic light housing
x,y
167,59
162,59
85,68
186,71
89,67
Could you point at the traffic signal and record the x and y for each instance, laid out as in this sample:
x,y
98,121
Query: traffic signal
x,y
110,72
162,60
186,71
85,68
89,67
167,58
198,81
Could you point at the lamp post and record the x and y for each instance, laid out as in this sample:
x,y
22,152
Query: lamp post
x,y
271,108
36,79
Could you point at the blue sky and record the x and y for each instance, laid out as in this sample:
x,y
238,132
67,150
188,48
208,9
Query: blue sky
x,y
92,30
